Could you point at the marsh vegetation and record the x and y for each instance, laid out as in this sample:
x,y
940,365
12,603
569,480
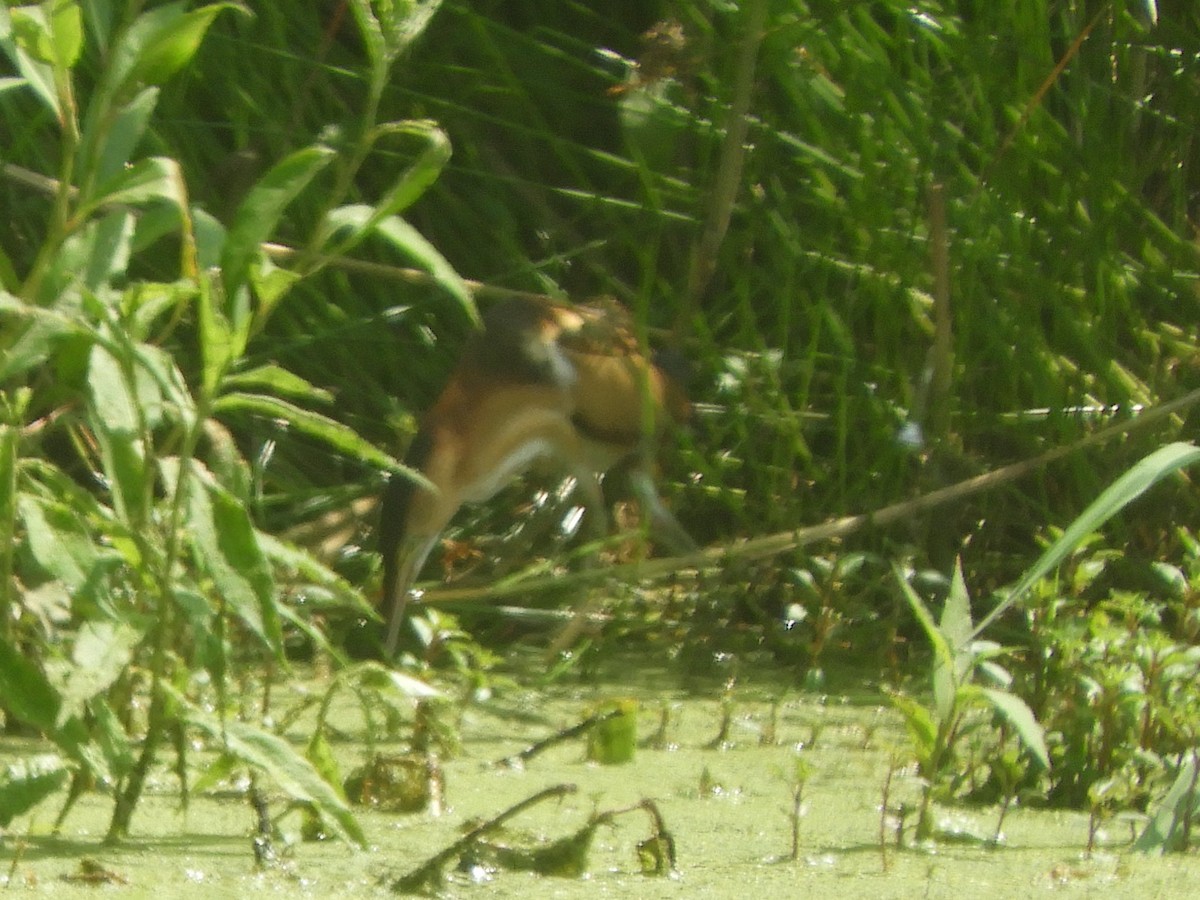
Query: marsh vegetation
x,y
934,269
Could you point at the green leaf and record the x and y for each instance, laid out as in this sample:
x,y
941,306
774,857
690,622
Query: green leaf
x,y
108,243
376,676
218,346
166,384
414,181
99,14
30,341
360,220
51,33
302,565
372,33
115,418
394,29
122,136
955,625
226,549
1018,714
27,782
25,692
38,75
1145,474
1173,816
945,681
58,540
111,737
921,728
210,238
161,42
274,756
102,651
155,180
334,433
259,213
112,401
277,380
66,29
270,285
320,755
401,235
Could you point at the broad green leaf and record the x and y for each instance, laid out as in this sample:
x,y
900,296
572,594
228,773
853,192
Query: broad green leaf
x,y
401,235
144,303
237,542
111,738
102,651
51,33
955,625
28,694
1173,817
168,384
320,755
371,674
259,213
372,33
1018,714
1145,474
218,346
10,442
27,782
390,28
945,682
37,74
32,338
169,48
210,238
161,42
270,284
116,421
58,540
122,136
226,549
306,421
155,180
274,756
108,241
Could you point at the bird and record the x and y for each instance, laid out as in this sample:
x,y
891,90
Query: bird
x,y
542,379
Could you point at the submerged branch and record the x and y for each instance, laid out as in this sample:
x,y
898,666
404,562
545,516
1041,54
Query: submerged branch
x,y
518,759
429,872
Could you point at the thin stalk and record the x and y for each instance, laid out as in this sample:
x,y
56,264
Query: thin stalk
x,y
941,353
163,635
64,194
729,170
312,257
9,439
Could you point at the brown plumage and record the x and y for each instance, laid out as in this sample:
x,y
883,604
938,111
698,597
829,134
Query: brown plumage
x,y
542,379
